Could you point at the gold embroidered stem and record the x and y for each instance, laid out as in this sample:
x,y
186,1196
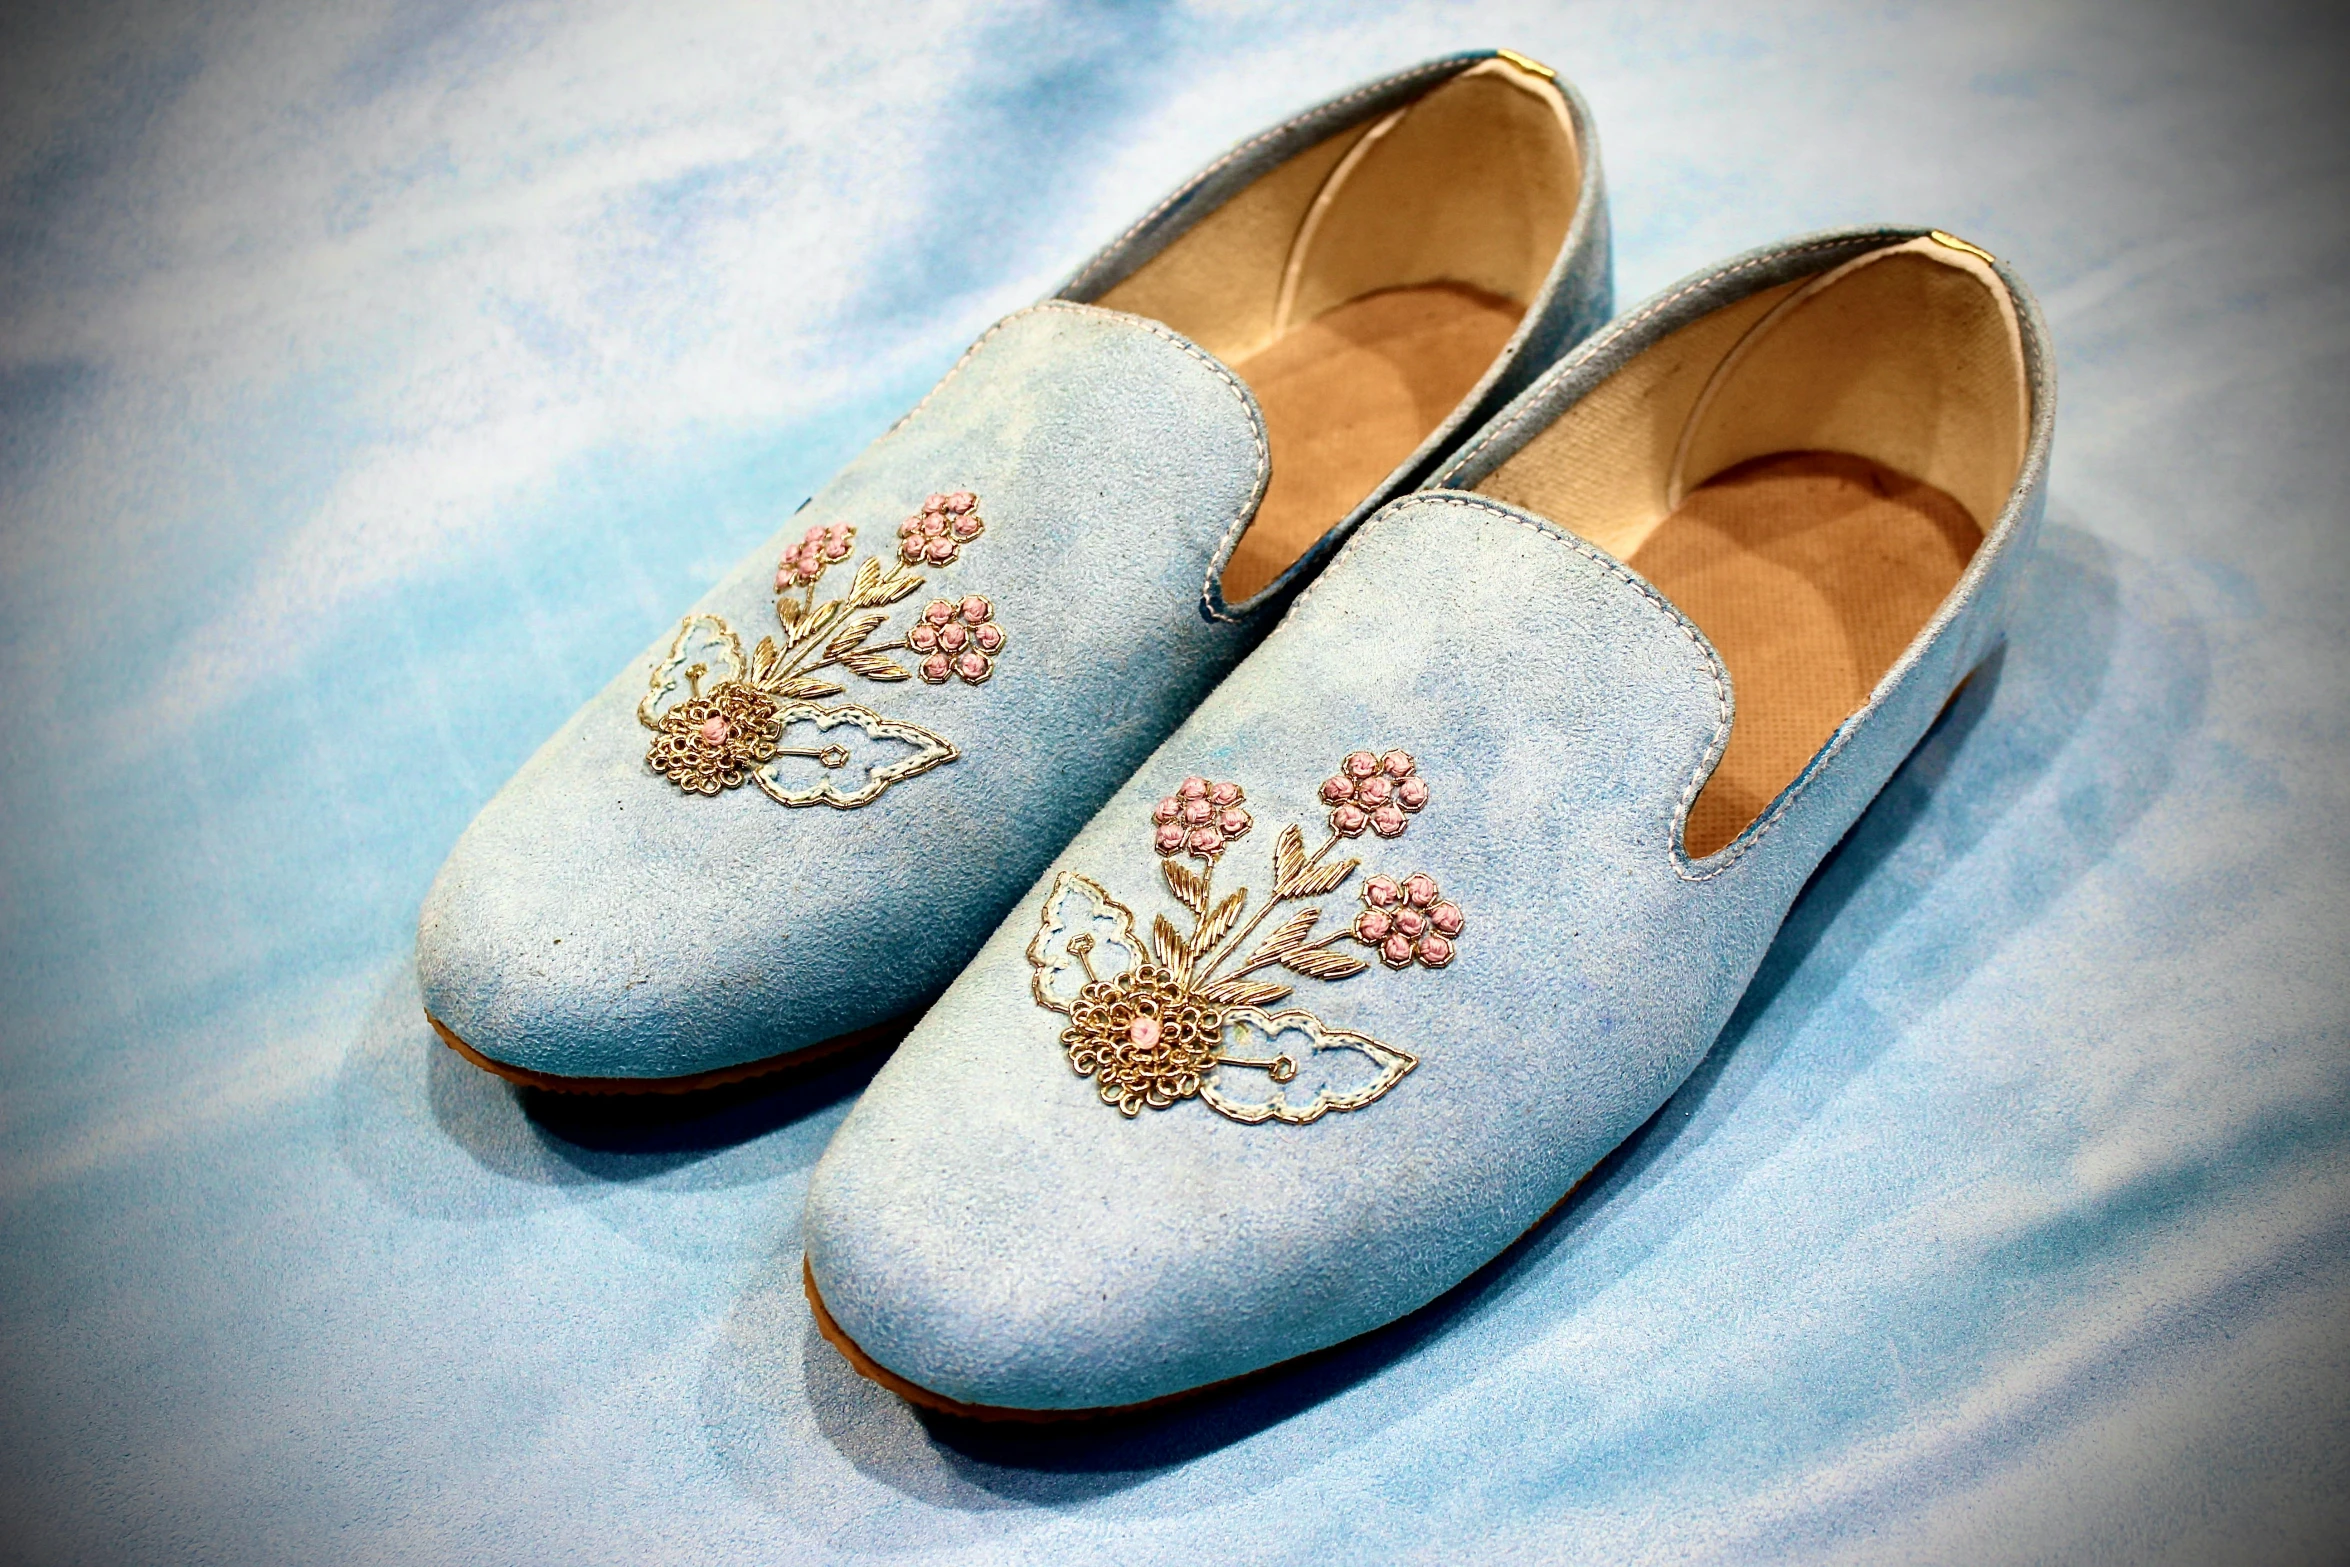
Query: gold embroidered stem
x,y
1081,948
1315,859
1281,1069
1207,901
815,626
1239,938
834,757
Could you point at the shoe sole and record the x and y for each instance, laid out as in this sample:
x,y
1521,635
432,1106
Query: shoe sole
x,y
794,1062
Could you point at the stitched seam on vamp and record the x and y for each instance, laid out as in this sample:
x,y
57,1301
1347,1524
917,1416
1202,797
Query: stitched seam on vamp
x,y
1240,395
1633,323
1248,413
1663,606
1245,148
956,368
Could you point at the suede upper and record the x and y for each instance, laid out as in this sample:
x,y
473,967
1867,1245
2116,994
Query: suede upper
x,y
987,1227
596,921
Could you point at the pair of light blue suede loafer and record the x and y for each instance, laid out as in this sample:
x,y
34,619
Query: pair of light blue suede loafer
x,y
1290,971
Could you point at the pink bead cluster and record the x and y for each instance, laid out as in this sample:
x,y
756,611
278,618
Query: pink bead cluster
x,y
820,547
1200,818
956,640
1409,921
935,534
1378,792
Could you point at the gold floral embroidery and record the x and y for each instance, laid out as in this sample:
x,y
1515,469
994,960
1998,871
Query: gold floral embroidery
x,y
712,742
1145,1037
720,720
1183,1016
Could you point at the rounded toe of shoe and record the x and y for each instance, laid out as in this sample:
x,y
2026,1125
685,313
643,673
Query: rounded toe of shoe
x,y
571,942
1045,1323
559,971
1052,1255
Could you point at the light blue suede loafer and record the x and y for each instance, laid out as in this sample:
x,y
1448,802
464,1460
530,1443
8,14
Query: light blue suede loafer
x,y
800,812
1448,887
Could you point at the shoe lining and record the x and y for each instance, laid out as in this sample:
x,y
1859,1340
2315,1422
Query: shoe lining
x,y
1809,572
1347,397
1426,231
1805,473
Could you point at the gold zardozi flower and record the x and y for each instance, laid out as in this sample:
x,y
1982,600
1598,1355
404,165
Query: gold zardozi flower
x,y
712,742
1148,1040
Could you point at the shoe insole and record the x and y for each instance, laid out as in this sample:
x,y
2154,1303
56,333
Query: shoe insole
x,y
1810,572
1348,396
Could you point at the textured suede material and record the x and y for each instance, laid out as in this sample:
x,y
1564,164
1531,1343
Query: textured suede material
x,y
594,921
983,1225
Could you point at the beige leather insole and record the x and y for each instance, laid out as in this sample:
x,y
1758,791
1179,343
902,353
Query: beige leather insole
x,y
1810,572
1348,396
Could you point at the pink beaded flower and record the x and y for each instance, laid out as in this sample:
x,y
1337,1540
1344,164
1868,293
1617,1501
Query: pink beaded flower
x,y
1200,819
1378,792
957,640
1409,921
820,547
937,533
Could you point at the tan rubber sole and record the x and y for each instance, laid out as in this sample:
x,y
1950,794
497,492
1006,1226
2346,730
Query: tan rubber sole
x,y
795,1063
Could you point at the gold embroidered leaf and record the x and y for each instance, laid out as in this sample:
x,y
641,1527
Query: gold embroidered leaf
x,y
812,630
801,688
790,611
1189,886
766,659
875,666
888,588
1289,858
1322,963
1219,924
851,634
868,574
1167,946
1285,935
1244,992
1321,879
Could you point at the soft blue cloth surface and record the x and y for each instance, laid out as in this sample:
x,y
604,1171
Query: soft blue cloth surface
x,y
374,379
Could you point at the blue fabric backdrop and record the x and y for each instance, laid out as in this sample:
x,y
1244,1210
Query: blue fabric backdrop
x,y
375,378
